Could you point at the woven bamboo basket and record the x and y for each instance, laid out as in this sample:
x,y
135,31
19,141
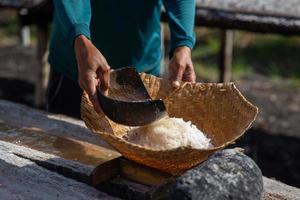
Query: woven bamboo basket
x,y
219,110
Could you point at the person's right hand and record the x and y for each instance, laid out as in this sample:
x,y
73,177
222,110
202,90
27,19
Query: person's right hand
x,y
93,69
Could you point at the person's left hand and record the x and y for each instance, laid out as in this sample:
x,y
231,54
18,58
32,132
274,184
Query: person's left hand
x,y
181,66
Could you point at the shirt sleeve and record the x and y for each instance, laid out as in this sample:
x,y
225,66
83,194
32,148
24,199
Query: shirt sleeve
x,y
74,17
181,18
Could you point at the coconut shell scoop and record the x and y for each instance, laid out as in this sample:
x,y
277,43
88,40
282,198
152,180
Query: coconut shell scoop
x,y
128,101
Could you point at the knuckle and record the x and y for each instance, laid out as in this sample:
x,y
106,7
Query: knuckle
x,y
181,64
177,64
106,68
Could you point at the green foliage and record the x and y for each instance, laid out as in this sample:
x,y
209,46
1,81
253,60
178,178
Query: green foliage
x,y
8,27
269,55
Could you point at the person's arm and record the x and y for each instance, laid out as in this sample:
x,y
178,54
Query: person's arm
x,y
75,16
181,18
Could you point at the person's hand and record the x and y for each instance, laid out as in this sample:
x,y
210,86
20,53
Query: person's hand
x,y
181,66
93,69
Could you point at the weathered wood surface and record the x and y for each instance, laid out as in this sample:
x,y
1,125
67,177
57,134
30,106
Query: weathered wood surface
x,y
225,57
248,22
142,174
283,8
45,133
48,166
21,178
265,16
77,171
34,133
64,147
57,125
275,190
100,159
21,3
47,163
68,168
43,69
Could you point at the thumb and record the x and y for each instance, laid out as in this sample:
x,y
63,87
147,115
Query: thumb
x,y
89,85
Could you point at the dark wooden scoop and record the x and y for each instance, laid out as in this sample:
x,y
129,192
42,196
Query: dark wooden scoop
x,y
128,101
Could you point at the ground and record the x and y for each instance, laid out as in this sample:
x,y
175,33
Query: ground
x,y
266,70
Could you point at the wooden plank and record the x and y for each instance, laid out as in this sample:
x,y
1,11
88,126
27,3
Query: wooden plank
x,y
275,190
75,169
43,69
102,162
127,189
277,8
22,169
25,36
21,178
105,171
232,14
241,21
56,125
55,135
68,148
226,49
81,172
143,174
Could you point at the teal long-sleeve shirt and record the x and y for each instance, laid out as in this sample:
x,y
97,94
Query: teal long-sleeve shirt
x,y
127,32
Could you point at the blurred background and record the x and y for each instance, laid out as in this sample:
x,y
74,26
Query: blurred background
x,y
265,67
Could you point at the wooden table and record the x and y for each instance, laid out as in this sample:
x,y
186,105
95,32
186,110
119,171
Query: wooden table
x,y
264,16
47,156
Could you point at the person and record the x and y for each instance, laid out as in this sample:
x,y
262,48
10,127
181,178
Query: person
x,y
91,37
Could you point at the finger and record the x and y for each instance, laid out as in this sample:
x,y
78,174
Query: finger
x,y
105,79
189,77
175,84
189,74
89,85
176,75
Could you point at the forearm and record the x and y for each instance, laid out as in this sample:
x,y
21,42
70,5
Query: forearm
x,y
74,16
181,17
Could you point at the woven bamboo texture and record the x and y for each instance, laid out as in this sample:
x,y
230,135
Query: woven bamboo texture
x,y
219,110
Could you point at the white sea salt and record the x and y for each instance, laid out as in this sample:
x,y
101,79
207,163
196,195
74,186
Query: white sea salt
x,y
168,133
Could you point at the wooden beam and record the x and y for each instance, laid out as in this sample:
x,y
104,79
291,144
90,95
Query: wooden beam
x,y
143,174
72,158
57,125
25,35
43,66
226,49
